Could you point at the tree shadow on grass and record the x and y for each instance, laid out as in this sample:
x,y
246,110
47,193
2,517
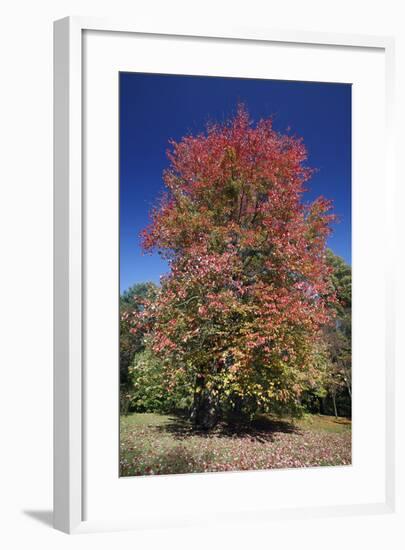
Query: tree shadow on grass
x,y
262,429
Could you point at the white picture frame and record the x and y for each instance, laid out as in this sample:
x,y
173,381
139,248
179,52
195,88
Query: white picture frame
x,y
69,211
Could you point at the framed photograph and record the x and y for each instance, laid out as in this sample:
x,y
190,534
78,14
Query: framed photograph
x,y
215,235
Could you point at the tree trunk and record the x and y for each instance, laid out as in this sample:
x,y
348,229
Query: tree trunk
x,y
321,405
334,404
349,388
205,409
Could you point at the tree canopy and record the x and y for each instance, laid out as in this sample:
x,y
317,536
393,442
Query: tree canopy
x,y
241,312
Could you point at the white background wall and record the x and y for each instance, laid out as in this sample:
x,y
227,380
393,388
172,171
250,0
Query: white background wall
x,y
26,267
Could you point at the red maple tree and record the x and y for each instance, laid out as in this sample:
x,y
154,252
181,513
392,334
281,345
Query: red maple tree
x,y
239,314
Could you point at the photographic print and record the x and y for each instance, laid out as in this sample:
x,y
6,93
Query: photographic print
x,y
235,274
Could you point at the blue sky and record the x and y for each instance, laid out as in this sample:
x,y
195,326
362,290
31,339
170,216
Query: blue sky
x,y
156,108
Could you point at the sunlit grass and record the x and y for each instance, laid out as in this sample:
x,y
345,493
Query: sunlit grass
x,y
323,423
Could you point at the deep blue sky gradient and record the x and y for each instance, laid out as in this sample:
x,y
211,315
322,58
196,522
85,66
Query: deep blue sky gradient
x,y
156,108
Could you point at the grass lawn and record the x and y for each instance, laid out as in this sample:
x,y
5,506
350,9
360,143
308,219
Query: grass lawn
x,y
161,444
